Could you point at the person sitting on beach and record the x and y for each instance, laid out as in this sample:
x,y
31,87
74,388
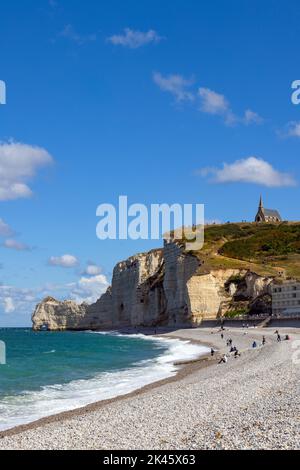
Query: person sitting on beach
x,y
232,349
254,344
223,359
230,341
236,353
287,337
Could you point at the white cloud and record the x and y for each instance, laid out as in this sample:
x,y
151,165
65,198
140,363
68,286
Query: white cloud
x,y
92,270
8,305
5,229
134,39
174,84
293,129
65,261
19,163
14,299
69,33
88,289
249,170
22,301
250,117
212,102
13,244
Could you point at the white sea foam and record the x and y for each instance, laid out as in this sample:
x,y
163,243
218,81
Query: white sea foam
x,y
52,399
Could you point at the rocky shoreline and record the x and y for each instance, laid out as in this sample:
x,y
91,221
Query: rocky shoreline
x,y
251,402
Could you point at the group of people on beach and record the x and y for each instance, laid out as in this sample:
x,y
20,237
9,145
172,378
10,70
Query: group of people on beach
x,y
232,350
235,351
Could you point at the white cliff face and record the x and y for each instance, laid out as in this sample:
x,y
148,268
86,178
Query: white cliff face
x,y
57,315
256,285
161,287
134,299
208,297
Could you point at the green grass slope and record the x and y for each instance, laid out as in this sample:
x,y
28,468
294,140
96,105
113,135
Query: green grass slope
x,y
267,249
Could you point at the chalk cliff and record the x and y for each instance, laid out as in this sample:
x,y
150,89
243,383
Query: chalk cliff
x,y
161,287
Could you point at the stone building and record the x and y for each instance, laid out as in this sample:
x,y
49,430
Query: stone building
x,y
286,298
267,215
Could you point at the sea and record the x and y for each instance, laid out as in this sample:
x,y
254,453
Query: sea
x,y
49,372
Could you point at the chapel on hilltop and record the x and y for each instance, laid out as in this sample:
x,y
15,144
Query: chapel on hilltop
x,y
266,215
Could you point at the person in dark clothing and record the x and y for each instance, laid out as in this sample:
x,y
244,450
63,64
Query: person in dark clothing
x,y
278,338
263,340
223,359
212,352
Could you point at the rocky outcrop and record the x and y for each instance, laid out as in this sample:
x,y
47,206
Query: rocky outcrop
x,y
161,287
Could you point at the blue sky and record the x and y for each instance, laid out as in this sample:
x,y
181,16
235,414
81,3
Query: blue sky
x,y
174,101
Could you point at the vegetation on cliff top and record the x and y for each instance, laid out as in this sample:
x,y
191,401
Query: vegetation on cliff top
x,y
268,249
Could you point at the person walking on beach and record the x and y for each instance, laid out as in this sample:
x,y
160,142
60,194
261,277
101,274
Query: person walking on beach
x,y
263,340
223,359
222,336
212,352
278,338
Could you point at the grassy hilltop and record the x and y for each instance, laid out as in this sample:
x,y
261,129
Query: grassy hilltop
x,y
266,249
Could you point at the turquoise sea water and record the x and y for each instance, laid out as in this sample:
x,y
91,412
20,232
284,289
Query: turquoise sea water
x,y
50,372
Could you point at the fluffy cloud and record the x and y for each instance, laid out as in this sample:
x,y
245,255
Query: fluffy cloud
x,y
174,84
5,229
92,270
69,33
88,289
249,170
293,129
212,102
13,244
250,117
65,261
19,163
22,301
14,299
8,305
134,39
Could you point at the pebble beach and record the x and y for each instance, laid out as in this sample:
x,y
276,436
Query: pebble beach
x,y
250,402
